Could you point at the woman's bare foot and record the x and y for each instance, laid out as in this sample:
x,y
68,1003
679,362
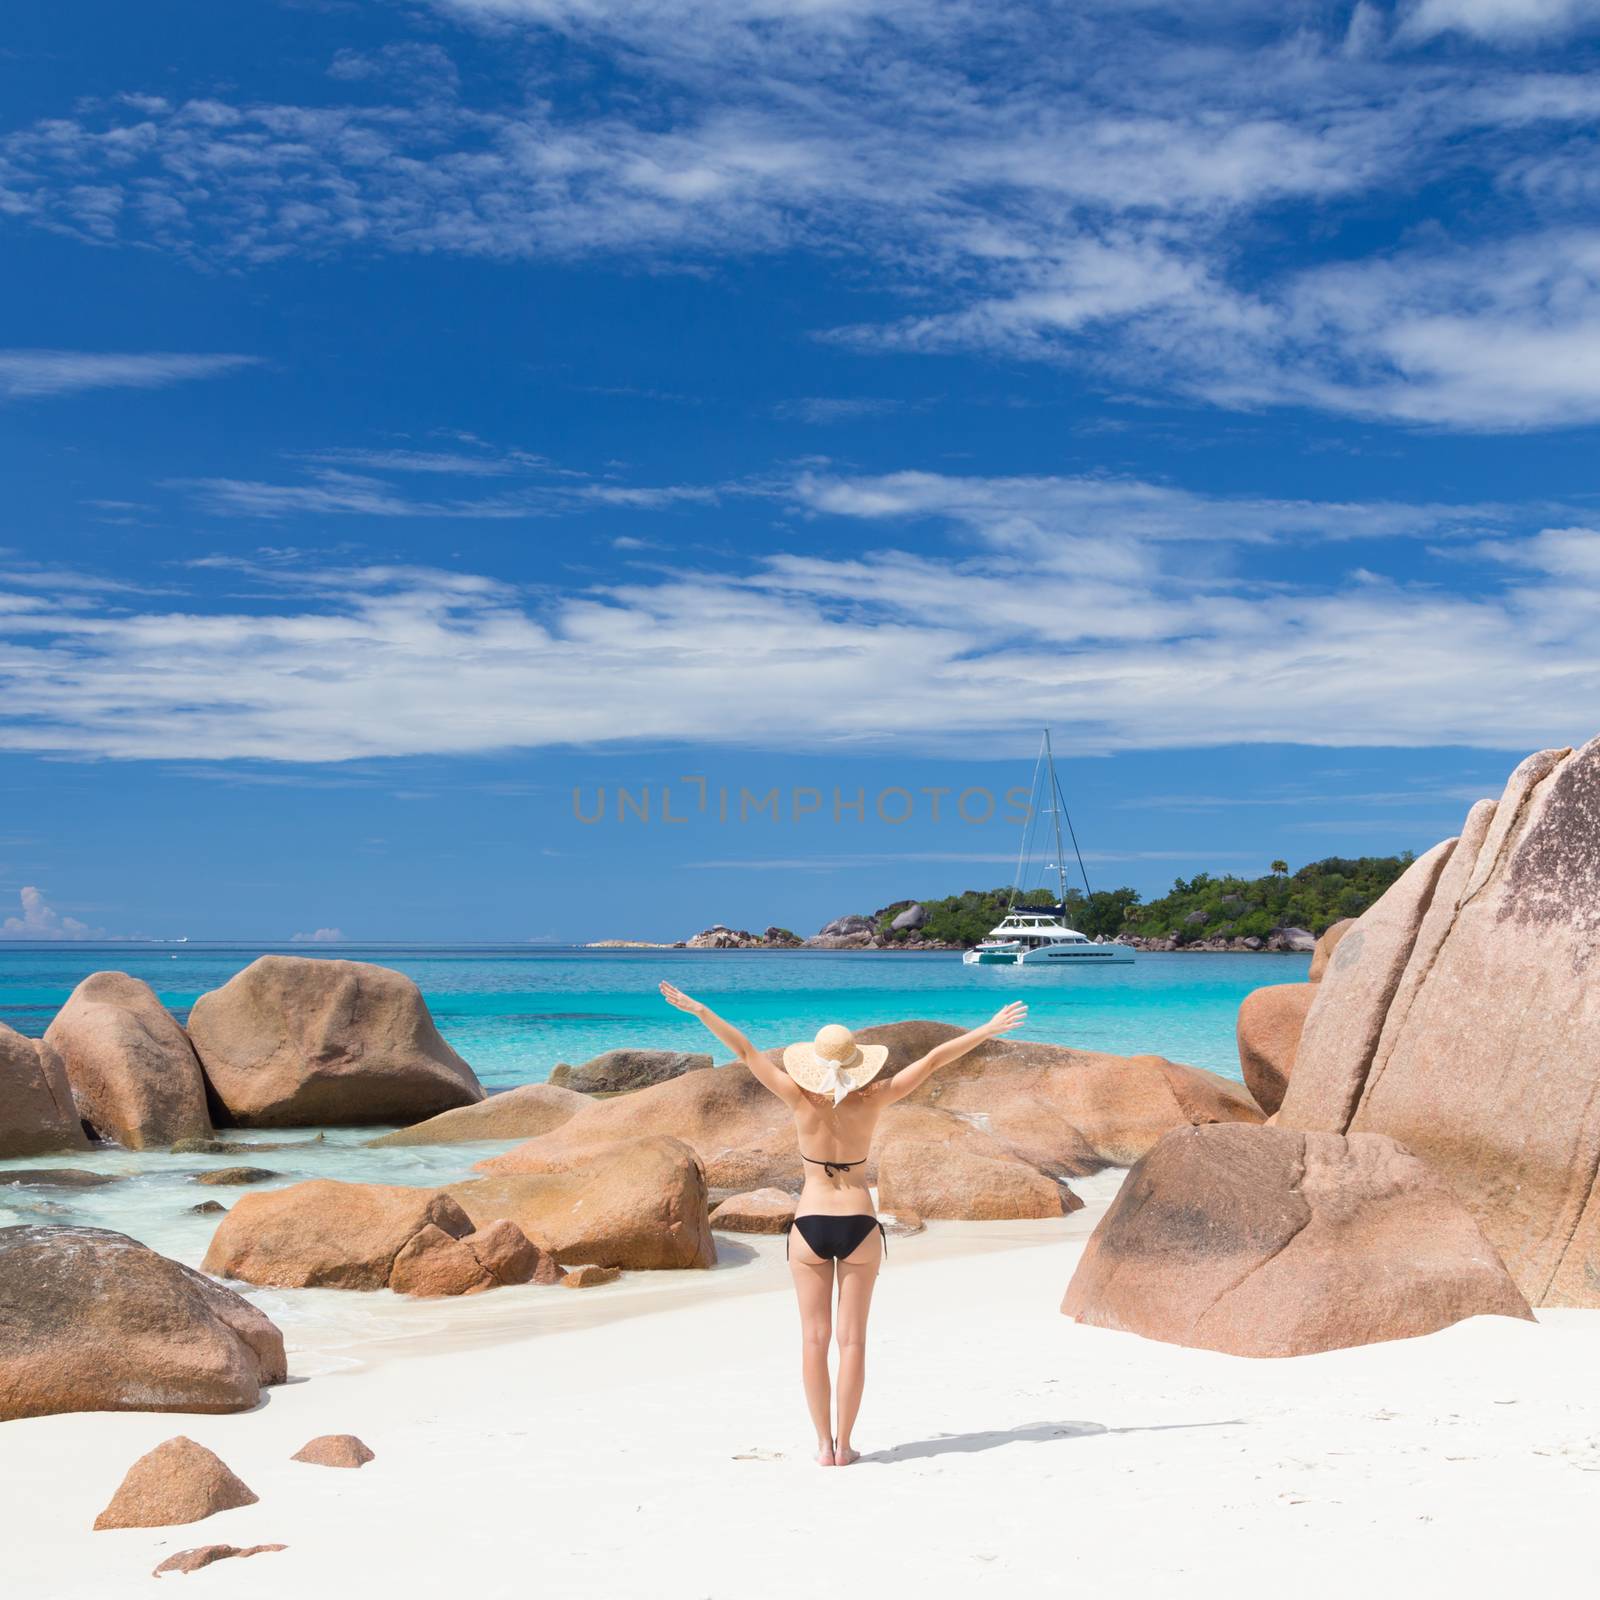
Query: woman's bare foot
x,y
825,1453
843,1455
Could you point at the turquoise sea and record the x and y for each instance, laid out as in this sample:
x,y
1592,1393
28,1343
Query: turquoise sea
x,y
513,1012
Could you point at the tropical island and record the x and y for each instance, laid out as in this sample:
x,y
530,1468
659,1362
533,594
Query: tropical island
x,y
1279,911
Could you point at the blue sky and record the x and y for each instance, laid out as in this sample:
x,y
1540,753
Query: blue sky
x,y
412,412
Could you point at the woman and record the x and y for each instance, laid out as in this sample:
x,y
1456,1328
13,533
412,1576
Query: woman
x,y
833,1089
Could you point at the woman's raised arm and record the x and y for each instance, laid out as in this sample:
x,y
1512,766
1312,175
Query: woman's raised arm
x,y
771,1077
918,1073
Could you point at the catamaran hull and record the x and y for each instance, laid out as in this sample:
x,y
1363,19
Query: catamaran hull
x,y
1096,956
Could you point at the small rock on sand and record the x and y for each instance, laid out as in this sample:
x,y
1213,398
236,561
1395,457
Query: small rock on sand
x,y
179,1481
203,1555
588,1277
334,1450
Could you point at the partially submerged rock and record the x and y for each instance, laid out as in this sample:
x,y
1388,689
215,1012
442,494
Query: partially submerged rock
x,y
92,1320
523,1113
296,1041
240,1147
1268,1031
590,1277
134,1077
334,1450
614,1071
759,1211
638,1203
37,1114
57,1178
326,1234
179,1481
1272,1242
227,1177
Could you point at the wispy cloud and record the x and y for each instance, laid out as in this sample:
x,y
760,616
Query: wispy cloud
x,y
795,649
823,410
30,374
1094,203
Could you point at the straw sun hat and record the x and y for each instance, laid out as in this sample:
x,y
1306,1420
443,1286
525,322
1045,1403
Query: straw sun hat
x,y
833,1063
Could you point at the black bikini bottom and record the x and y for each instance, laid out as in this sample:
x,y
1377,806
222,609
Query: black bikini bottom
x,y
834,1238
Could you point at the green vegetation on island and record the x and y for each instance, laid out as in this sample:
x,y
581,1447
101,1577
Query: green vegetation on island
x,y
1202,907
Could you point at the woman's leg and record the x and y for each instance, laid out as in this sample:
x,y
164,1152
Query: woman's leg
x,y
858,1272
813,1286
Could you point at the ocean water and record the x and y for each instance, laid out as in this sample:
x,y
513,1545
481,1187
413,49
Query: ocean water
x,y
513,1013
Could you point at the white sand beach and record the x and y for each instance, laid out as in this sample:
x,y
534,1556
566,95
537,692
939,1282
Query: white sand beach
x,y
649,1439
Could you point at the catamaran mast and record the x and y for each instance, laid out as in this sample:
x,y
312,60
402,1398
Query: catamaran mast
x,y
1055,816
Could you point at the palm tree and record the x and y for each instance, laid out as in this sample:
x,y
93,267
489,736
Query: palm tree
x,y
1280,867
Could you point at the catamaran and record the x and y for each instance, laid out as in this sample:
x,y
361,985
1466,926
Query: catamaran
x,y
1039,935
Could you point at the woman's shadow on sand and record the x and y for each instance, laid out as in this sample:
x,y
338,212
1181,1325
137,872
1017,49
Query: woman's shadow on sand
x,y
946,1444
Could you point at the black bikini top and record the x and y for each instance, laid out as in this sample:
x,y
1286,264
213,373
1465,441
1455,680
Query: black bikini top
x,y
834,1169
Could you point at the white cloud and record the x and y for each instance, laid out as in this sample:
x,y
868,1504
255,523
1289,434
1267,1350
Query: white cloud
x,y
1558,552
321,936
1498,21
28,374
1150,647
40,920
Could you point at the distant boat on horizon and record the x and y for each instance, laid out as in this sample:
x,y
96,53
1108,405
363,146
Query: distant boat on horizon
x,y
1038,936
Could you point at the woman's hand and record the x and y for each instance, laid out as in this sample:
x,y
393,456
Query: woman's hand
x,y
1007,1018
676,997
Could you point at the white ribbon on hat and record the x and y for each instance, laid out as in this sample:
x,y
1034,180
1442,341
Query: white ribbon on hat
x,y
835,1080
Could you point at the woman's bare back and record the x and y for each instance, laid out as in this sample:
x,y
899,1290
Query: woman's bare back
x,y
826,1132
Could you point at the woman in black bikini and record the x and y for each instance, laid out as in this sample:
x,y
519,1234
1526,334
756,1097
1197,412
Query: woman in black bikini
x,y
833,1088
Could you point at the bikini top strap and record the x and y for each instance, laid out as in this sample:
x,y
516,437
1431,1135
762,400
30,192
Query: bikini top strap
x,y
833,1169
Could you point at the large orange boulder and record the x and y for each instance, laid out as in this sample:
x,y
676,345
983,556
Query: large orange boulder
x,y
326,1234
295,1041
179,1481
1465,1022
638,1203
523,1113
1067,1112
1347,1013
945,1180
742,1132
1268,1030
37,1114
94,1321
1272,1242
134,1077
